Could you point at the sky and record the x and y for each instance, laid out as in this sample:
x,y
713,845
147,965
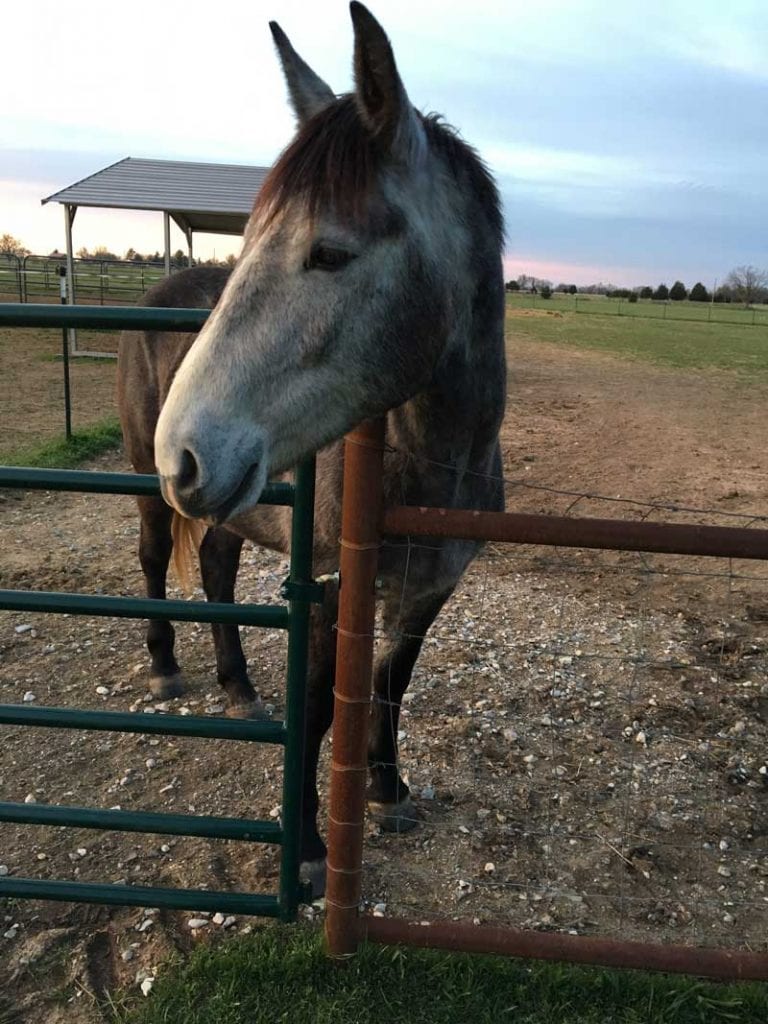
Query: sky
x,y
629,140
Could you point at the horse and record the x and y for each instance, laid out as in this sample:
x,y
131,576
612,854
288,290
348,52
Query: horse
x,y
369,285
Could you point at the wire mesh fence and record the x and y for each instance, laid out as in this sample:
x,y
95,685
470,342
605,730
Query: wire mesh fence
x,y
585,737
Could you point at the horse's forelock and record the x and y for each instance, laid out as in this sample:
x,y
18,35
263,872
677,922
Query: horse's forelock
x,y
332,163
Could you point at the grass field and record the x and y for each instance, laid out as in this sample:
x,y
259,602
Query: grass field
x,y
280,974
686,345
600,305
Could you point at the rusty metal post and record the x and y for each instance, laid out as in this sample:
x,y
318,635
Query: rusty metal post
x,y
360,544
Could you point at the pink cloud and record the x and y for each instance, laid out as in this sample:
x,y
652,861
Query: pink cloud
x,y
570,273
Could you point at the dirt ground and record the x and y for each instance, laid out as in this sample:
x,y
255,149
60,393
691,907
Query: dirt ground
x,y
585,732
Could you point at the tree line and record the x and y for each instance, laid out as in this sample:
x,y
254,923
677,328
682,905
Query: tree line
x,y
11,246
746,284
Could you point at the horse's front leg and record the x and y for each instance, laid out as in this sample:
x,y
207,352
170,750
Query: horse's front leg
x,y
405,626
319,715
219,562
155,546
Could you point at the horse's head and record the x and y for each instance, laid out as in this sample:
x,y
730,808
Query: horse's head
x,y
347,294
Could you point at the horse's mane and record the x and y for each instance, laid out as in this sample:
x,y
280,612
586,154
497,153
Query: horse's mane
x,y
335,162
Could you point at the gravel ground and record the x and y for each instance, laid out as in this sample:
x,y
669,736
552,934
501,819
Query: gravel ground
x,y
585,732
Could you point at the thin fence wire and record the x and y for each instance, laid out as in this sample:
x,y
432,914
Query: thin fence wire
x,y
585,737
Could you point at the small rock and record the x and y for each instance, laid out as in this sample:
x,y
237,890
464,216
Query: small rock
x,y
428,793
229,921
379,909
3,870
29,697
23,628
218,918
30,798
42,856
489,868
165,848
146,986
150,762
145,925
82,852
640,738
103,691
197,922
127,955
724,871
11,933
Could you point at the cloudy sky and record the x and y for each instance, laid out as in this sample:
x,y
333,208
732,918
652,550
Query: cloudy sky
x,y
629,139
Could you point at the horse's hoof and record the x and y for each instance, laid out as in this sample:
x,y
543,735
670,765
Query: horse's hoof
x,y
248,709
312,873
167,687
399,817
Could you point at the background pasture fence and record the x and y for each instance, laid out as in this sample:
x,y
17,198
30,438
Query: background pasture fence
x,y
299,590
345,928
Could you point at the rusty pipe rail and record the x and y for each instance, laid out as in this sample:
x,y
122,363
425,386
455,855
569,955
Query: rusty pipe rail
x,y
563,531
723,964
360,546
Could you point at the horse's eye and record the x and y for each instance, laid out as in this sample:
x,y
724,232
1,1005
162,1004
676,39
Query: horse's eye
x,y
325,257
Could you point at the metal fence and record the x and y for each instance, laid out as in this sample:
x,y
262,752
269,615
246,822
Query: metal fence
x,y
97,282
293,616
497,863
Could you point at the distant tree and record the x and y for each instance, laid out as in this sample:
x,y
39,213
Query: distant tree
x,y
678,291
632,297
545,291
525,282
179,258
133,256
646,292
83,253
231,260
11,246
101,252
572,289
699,293
748,284
512,286
662,292
723,294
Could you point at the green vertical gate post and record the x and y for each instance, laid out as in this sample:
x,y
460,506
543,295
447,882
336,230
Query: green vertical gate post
x,y
300,590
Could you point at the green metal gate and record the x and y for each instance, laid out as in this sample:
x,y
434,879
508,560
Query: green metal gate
x,y
299,590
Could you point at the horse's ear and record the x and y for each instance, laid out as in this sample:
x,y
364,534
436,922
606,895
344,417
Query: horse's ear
x,y
309,93
380,94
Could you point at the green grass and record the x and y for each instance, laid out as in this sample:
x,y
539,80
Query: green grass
x,y
601,305
85,444
282,974
734,347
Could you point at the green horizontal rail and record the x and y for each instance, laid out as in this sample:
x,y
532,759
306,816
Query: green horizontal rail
x,y
136,721
268,616
142,484
140,896
143,821
144,318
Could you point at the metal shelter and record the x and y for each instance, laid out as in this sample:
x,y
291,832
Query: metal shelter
x,y
205,197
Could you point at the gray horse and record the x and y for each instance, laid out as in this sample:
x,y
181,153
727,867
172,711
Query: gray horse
x,y
370,284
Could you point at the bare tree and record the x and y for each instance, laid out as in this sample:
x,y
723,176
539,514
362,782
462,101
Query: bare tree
x,y
747,283
11,246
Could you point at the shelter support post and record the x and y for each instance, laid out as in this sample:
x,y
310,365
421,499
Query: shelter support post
x,y
167,235
190,256
69,219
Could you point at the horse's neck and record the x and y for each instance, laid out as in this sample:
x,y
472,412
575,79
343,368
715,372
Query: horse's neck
x,y
452,428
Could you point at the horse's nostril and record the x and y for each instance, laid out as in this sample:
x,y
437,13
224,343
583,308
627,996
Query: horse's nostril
x,y
186,479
